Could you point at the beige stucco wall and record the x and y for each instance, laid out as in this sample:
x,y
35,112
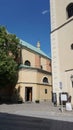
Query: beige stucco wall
x,y
58,12
43,63
31,77
65,39
61,40
38,92
61,14
47,96
40,77
28,55
34,79
36,60
27,75
35,94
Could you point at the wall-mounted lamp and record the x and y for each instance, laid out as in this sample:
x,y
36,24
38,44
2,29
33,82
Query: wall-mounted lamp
x,y
71,77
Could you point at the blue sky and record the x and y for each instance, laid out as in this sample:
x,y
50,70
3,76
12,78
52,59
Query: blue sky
x,y
28,19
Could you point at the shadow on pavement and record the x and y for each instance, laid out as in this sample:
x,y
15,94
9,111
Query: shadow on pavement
x,y
15,122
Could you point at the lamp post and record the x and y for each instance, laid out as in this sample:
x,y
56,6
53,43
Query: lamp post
x,y
71,77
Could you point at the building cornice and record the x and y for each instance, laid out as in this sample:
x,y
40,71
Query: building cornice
x,y
69,70
62,25
35,69
45,84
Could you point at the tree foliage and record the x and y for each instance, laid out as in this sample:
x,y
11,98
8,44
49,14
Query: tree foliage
x,y
9,58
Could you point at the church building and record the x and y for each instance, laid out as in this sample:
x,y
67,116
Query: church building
x,y
61,13
34,82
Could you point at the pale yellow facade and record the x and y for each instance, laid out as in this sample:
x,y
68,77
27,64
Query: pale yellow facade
x,y
61,13
35,80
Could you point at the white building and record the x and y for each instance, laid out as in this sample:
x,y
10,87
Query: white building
x,y
61,12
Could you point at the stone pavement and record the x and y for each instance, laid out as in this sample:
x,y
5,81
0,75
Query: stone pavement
x,y
43,110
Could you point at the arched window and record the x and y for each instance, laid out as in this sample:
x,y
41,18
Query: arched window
x,y
27,63
45,80
70,10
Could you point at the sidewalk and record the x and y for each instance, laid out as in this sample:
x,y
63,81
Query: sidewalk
x,y
43,110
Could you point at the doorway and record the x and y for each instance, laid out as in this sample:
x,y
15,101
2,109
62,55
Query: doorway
x,y
28,93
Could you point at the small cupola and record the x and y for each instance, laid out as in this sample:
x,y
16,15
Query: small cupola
x,y
38,44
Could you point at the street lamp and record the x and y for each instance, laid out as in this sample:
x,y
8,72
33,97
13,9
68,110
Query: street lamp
x,y
71,77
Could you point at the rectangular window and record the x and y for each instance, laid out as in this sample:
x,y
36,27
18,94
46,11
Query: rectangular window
x,y
45,91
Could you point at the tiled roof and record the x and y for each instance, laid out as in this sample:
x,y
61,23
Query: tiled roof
x,y
35,49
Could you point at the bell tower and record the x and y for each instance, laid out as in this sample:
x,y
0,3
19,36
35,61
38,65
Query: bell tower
x,y
61,14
